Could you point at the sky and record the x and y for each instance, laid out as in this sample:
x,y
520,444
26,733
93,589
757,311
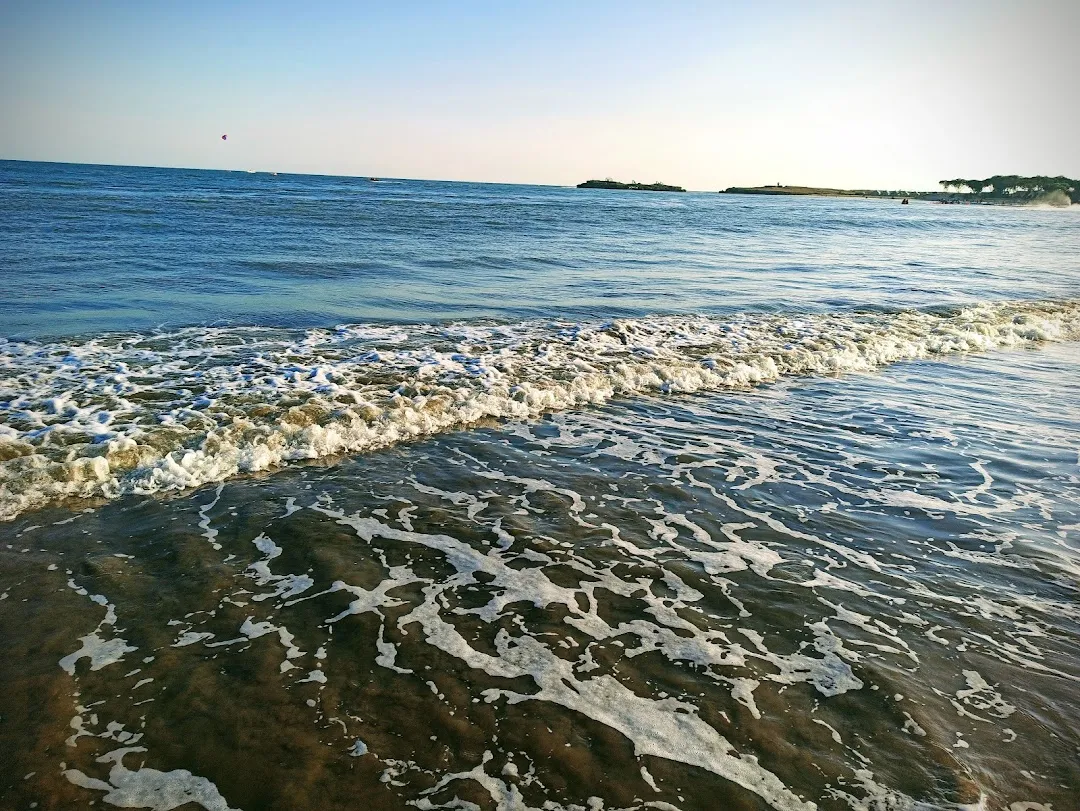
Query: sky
x,y
892,95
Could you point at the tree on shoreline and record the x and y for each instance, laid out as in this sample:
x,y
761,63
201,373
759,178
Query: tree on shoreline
x,y
1016,187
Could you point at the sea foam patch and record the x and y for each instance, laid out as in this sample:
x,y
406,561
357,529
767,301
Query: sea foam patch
x,y
133,413
149,788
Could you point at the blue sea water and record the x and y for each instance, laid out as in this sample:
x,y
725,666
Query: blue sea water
x,y
326,492
90,249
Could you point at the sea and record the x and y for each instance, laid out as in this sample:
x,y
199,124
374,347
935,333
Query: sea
x,y
342,493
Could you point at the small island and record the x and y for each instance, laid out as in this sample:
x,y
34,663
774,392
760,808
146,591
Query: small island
x,y
996,190
633,185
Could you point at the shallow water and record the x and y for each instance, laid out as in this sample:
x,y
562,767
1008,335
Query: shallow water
x,y
753,544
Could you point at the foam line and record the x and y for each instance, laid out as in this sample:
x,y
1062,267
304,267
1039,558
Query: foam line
x,y
122,414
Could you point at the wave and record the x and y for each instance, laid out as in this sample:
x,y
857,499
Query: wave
x,y
143,413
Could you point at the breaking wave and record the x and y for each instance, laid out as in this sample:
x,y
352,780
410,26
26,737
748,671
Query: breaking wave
x,y
144,413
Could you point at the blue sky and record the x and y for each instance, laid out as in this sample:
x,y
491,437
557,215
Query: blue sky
x,y
707,95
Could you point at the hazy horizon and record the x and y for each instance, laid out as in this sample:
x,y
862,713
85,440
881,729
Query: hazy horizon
x,y
895,97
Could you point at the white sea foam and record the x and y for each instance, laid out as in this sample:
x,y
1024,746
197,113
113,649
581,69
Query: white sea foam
x,y
101,652
149,788
664,728
148,413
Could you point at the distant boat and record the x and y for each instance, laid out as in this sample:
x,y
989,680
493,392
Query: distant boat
x,y
373,179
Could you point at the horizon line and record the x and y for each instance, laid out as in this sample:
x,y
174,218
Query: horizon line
x,y
388,177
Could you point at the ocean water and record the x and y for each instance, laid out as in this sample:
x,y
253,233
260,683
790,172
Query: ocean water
x,y
318,492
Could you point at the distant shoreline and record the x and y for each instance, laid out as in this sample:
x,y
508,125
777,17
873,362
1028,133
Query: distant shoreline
x,y
946,197
812,191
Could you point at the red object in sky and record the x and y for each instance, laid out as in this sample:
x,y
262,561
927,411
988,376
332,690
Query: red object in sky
x,y
224,137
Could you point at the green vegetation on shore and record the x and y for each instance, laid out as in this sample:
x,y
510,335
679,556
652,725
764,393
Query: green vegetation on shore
x,y
633,185
1017,188
999,189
